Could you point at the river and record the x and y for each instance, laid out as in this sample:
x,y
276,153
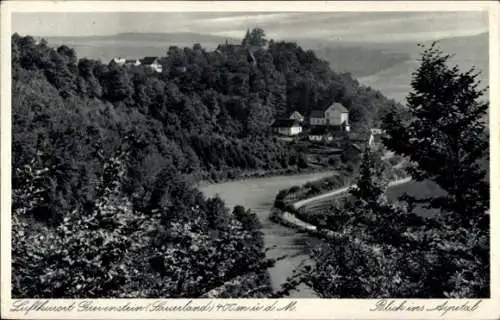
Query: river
x,y
258,194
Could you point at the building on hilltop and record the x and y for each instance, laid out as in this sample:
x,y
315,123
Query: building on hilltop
x,y
334,115
132,62
225,49
118,60
287,127
153,63
127,62
297,116
229,48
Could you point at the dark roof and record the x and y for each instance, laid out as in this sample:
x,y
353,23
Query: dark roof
x,y
320,130
131,61
317,114
149,60
285,123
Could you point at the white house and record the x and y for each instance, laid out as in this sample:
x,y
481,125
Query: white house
x,y
335,115
153,63
287,127
118,60
132,62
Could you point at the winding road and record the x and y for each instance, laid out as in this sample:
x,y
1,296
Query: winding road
x,y
258,194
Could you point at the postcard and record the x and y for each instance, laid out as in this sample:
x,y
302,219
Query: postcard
x,y
250,160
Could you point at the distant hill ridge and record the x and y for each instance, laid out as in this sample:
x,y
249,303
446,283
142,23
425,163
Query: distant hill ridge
x,y
308,41
156,36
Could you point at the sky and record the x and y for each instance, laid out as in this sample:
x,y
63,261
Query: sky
x,y
344,26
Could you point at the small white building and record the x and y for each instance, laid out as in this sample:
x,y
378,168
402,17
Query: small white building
x,y
132,62
118,60
287,127
153,63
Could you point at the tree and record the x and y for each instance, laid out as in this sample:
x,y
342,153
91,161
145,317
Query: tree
x,y
369,208
82,256
33,185
118,85
258,118
248,219
371,183
246,38
446,136
256,37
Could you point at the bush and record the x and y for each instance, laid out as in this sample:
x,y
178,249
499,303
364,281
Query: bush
x,y
115,251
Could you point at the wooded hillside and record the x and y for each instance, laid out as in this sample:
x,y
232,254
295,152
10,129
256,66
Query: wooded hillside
x,y
207,114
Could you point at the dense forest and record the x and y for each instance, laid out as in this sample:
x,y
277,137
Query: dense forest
x,y
102,154
207,114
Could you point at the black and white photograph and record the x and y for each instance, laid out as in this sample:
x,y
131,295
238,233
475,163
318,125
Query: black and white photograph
x,y
250,154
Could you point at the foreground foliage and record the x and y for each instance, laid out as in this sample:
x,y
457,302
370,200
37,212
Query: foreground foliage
x,y
113,251
445,137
